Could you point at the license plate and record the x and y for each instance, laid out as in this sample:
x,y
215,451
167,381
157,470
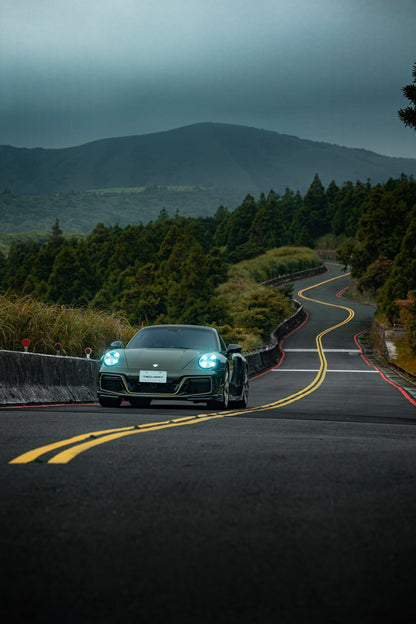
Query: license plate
x,y
149,376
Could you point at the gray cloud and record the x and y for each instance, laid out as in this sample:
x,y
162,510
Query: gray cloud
x,y
72,72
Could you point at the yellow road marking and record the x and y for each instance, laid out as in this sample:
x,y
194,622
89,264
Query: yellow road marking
x,y
85,443
28,457
66,456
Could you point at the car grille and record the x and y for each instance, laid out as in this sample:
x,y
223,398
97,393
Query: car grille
x,y
197,386
151,388
175,386
111,383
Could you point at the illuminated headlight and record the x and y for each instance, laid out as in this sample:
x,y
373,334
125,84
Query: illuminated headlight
x,y
209,360
111,358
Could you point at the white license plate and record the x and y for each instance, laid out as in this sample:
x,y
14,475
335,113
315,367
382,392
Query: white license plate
x,y
149,376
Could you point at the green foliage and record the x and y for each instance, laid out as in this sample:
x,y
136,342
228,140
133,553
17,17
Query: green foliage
x,y
402,277
275,262
311,217
256,310
262,310
208,269
383,253
375,276
408,114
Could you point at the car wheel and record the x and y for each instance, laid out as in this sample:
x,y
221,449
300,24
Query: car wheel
x,y
222,404
139,402
243,402
109,401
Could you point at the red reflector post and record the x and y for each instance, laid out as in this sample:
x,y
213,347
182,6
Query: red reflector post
x,y
26,343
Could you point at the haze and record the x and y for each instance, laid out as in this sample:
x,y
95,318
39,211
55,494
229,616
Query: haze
x,y
73,71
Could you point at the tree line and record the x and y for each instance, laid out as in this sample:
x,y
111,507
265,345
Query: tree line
x,y
382,254
169,269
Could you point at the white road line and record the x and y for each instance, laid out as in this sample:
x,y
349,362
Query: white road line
x,y
315,370
324,350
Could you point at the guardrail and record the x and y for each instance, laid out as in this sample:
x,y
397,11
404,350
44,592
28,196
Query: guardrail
x,y
265,357
292,277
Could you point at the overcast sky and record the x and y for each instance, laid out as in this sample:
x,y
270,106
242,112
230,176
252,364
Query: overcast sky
x,y
72,71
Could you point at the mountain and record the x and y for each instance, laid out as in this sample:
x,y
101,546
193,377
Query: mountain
x,y
208,155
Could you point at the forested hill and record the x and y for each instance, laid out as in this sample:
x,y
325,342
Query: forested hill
x,y
206,155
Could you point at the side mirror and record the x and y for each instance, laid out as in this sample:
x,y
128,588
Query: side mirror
x,y
233,348
117,344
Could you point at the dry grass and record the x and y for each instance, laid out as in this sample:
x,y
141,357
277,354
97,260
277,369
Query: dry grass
x,y
405,357
45,325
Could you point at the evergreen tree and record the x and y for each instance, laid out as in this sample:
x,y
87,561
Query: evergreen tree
x,y
402,277
289,203
268,229
408,114
238,226
310,219
381,229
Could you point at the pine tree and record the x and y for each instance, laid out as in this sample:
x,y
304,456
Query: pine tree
x,y
408,114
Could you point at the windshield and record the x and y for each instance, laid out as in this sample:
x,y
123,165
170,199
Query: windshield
x,y
169,337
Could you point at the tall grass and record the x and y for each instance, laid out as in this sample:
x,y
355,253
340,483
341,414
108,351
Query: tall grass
x,y
243,290
46,325
275,262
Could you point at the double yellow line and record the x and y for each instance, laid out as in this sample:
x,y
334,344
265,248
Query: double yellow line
x,y
79,444
323,364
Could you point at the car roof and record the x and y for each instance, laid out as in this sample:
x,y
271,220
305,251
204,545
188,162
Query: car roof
x,y
177,325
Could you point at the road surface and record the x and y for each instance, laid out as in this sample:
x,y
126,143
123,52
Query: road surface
x,y
300,508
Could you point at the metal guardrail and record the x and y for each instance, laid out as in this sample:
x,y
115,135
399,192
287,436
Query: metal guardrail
x,y
291,277
265,356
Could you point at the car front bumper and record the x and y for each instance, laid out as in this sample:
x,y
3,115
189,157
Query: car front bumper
x,y
191,387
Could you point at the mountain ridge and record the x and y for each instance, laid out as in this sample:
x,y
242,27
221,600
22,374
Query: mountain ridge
x,y
206,154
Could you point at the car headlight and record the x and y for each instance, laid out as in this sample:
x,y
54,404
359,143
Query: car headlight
x,y
208,360
111,358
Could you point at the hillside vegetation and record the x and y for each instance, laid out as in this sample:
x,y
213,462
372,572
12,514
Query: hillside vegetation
x,y
193,270
382,254
254,311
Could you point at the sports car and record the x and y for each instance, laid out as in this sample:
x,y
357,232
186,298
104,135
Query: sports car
x,y
186,362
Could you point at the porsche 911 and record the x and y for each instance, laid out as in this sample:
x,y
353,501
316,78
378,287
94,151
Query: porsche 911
x,y
182,362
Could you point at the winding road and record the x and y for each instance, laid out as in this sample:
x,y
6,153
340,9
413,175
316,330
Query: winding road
x,y
299,508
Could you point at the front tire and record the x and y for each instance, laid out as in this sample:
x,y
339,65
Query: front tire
x,y
243,402
223,403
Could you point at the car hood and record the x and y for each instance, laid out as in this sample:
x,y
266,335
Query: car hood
x,y
166,359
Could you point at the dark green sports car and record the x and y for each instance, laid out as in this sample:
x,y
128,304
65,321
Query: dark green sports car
x,y
186,362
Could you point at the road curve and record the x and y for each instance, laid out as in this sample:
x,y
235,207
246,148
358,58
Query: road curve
x,y
297,509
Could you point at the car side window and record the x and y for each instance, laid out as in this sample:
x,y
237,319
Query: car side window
x,y
223,346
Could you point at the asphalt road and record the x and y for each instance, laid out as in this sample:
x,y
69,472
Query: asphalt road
x,y
300,508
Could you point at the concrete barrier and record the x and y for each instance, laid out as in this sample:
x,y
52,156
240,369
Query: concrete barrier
x,y
33,378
